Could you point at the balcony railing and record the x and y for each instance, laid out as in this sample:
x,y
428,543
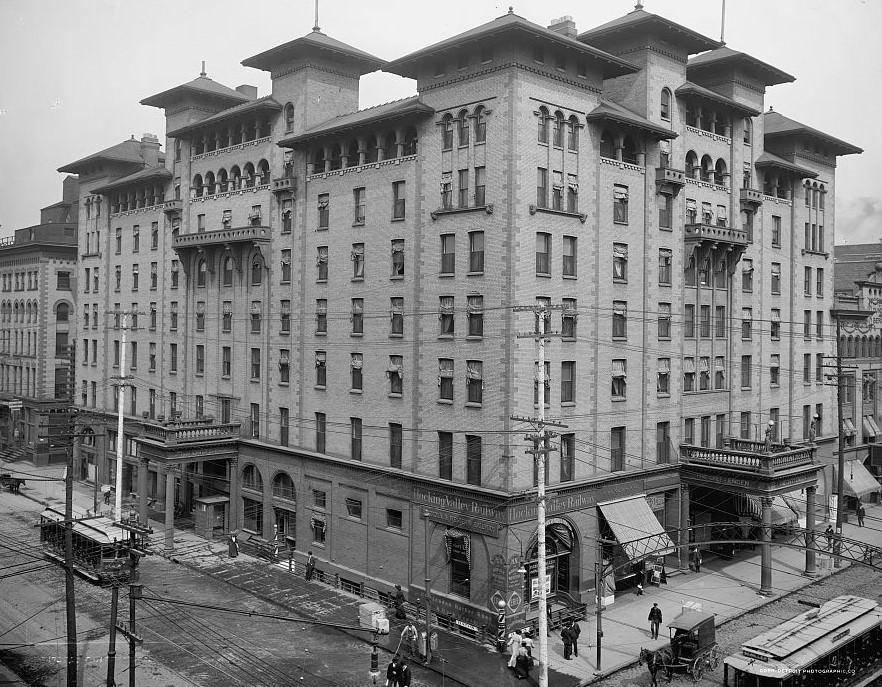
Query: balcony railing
x,y
191,431
283,184
234,235
748,457
716,233
750,195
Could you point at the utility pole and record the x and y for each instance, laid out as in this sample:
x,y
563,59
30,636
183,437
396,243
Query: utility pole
x,y
120,409
598,598
70,601
540,453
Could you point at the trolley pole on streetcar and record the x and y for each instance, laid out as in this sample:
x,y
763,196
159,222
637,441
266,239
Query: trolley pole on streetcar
x,y
540,452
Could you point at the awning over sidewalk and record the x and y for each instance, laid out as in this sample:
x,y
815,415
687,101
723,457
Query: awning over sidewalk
x,y
848,427
782,513
858,480
636,528
870,427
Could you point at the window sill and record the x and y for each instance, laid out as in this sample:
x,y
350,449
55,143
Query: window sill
x,y
171,372
446,337
473,404
358,224
544,275
805,251
317,333
663,394
356,335
356,391
396,335
398,219
321,281
321,228
391,395
354,279
581,216
445,401
440,212
568,339
475,274
474,337
396,277
569,276
319,387
567,404
618,399
619,281
284,383
446,275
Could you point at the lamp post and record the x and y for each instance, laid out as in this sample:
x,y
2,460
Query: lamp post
x,y
428,593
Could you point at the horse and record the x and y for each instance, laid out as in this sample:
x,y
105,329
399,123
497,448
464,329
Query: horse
x,y
656,660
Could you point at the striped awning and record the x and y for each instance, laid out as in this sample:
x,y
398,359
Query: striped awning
x,y
636,528
858,480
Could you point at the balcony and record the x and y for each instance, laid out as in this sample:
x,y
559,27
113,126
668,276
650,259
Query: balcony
x,y
751,196
699,233
222,237
669,181
283,184
173,207
191,432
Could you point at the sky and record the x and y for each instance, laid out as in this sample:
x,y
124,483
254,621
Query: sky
x,y
72,72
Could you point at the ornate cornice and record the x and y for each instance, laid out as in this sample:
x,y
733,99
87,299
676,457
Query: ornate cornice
x,y
652,48
517,65
310,65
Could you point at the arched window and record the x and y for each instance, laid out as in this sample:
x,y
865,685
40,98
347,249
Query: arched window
x,y
263,172
543,125
289,117
629,151
821,199
235,178
480,124
720,173
201,271
222,180
690,115
336,157
248,172
352,154
666,104
256,271
573,134
197,185
447,132
318,160
463,125
410,141
557,130
390,145
283,487
62,312
227,271
707,168
251,479
748,131
209,183
691,164
607,145
371,152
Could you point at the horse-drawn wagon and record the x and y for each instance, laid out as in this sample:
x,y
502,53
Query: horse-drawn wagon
x,y
693,647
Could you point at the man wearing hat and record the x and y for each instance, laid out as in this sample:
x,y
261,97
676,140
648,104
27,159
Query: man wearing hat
x,y
398,601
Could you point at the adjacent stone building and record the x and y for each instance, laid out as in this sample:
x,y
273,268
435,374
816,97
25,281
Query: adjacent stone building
x,y
322,313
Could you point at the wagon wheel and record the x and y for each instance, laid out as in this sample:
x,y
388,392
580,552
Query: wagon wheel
x,y
713,659
697,669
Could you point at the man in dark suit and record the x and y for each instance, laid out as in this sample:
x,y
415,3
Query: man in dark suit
x,y
575,631
403,673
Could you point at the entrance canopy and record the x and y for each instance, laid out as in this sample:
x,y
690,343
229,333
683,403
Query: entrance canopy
x,y
858,480
636,528
782,512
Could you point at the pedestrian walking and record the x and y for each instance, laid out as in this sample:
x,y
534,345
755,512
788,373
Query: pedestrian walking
x,y
310,566
527,641
233,549
575,631
403,673
392,673
399,603
514,644
828,535
696,559
409,638
567,636
860,514
523,663
639,589
655,619
548,617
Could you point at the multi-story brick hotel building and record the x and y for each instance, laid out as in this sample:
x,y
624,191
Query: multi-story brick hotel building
x,y
320,303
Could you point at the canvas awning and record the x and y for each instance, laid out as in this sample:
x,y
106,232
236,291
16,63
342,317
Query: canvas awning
x,y
868,428
858,480
782,513
636,528
875,427
848,427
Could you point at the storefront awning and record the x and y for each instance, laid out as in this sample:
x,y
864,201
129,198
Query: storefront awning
x,y
848,427
872,421
858,480
868,428
636,528
782,513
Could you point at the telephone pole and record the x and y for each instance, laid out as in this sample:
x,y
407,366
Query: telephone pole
x,y
69,594
540,452
121,384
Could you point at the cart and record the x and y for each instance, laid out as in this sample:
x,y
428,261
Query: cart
x,y
693,645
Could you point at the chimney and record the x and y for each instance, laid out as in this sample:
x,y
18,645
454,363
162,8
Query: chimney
x,y
150,149
70,190
250,91
565,25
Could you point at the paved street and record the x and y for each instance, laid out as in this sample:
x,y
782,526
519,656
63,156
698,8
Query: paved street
x,y
727,588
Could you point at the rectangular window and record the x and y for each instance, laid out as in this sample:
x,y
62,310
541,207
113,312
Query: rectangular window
x,y
572,192
663,377
394,518
664,320
806,368
705,431
663,443
255,317
775,324
620,262
620,320
320,432
134,277
746,369
357,316
445,379
617,449
445,316
395,444
324,210
665,211
556,190
689,431
286,266
255,420
568,381
200,359
745,424
398,200
665,260
689,320
807,324
619,386
567,457
747,275
819,369
397,258
321,369
395,373
703,373
474,381
473,460
321,263
705,321
476,252
720,321
448,254
543,254
396,315
620,204
776,277
775,370
776,231
284,366
688,374
463,179
255,364
819,281
568,318
321,316
445,455
284,426
357,256
569,256
353,508
819,324
476,316
541,186
173,357
719,372
356,376
446,190
285,316
355,438
480,186
359,197
226,361
746,324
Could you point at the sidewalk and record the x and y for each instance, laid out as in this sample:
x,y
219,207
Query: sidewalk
x,y
727,588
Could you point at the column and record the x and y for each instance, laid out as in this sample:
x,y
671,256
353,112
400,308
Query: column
x,y
810,531
169,508
143,464
683,548
766,558
233,510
